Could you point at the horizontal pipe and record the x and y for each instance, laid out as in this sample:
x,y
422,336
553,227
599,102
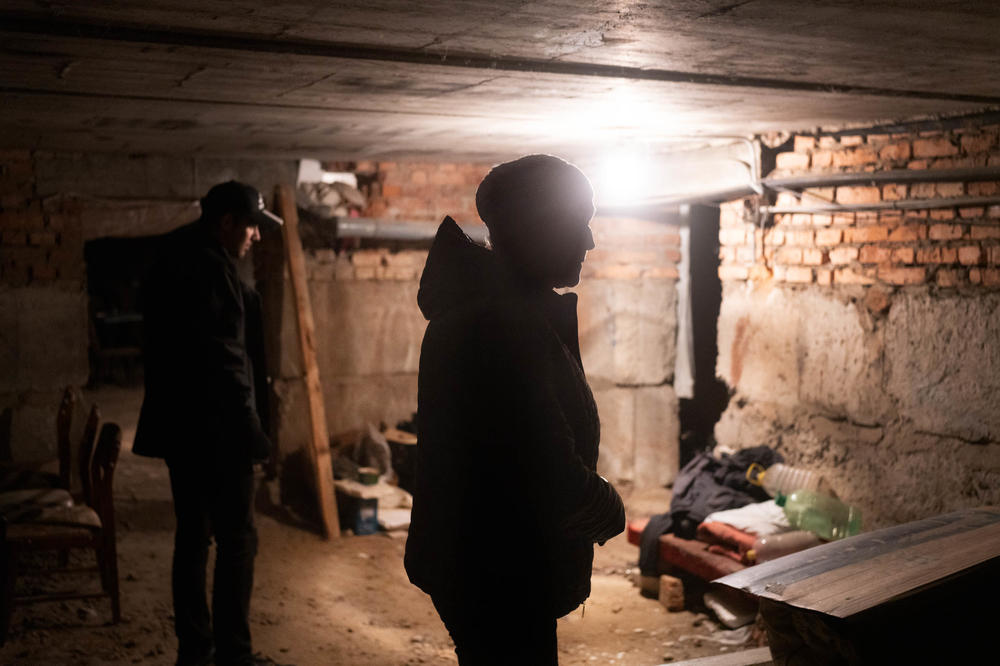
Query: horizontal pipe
x,y
965,174
875,177
906,204
51,24
401,230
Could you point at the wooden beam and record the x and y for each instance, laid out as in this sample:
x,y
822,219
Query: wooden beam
x,y
755,657
319,444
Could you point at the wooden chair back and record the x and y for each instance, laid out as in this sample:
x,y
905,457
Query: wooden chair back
x,y
102,473
87,453
64,448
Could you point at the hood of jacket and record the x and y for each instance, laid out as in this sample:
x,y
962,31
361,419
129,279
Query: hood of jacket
x,y
457,272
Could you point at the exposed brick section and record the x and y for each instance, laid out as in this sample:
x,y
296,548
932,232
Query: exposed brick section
x,y
934,147
988,277
885,248
38,246
947,277
908,233
874,254
829,236
866,234
798,274
902,255
902,276
843,255
813,257
970,255
850,276
791,161
894,191
419,191
858,195
804,144
946,231
854,158
896,152
981,232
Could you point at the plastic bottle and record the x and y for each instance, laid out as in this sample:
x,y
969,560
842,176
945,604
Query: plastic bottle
x,y
780,478
826,517
773,546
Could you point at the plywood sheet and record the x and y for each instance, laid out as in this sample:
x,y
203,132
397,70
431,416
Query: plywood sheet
x,y
843,578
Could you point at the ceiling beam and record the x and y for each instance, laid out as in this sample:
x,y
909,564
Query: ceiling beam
x,y
54,26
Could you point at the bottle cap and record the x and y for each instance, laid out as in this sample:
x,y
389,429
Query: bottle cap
x,y
780,498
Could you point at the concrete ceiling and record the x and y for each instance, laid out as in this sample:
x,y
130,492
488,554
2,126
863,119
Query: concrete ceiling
x,y
479,80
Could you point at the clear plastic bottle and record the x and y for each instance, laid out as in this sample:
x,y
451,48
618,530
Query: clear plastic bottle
x,y
773,546
781,478
824,516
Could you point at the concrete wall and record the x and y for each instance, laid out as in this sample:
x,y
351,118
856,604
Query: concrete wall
x,y
867,344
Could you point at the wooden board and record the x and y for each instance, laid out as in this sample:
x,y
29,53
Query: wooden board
x,y
756,657
846,577
319,444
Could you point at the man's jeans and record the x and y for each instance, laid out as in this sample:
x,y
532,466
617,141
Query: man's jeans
x,y
210,500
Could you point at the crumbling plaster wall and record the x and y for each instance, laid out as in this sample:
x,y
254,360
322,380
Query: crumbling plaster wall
x,y
50,204
867,345
369,329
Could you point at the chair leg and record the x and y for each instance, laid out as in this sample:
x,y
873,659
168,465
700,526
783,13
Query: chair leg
x,y
107,562
8,570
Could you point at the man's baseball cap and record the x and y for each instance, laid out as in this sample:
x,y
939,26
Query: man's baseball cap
x,y
240,199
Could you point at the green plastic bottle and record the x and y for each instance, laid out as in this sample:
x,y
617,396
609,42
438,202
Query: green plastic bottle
x,y
824,516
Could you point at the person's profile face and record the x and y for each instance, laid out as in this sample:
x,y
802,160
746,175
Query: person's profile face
x,y
238,235
560,243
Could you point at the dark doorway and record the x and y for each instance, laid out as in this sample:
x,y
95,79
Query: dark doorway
x,y
699,414
115,271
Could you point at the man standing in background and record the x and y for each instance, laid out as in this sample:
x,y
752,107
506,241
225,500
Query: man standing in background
x,y
201,413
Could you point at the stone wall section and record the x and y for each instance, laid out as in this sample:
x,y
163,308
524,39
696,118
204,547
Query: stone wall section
x,y
369,331
867,344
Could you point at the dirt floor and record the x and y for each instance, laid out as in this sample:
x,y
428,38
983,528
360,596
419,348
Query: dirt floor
x,y
346,601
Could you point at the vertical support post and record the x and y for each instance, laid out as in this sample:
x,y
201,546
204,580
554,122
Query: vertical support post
x,y
319,445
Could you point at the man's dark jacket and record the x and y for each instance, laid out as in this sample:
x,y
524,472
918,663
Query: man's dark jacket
x,y
204,374
507,501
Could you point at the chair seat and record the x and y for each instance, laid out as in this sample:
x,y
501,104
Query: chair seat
x,y
13,501
54,520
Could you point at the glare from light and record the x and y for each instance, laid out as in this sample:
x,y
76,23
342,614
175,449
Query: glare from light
x,y
623,178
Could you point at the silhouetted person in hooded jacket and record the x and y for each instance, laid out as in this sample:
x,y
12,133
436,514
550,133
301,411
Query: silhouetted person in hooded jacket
x,y
508,504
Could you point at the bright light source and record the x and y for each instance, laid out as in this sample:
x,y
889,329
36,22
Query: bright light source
x,y
624,178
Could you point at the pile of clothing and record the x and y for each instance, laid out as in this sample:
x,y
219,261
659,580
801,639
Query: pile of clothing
x,y
715,516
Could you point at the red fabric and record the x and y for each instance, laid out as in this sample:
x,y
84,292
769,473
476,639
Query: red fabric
x,y
695,558
635,528
726,535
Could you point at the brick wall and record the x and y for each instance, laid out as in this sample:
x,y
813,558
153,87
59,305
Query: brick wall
x,y
421,191
954,247
39,245
866,343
